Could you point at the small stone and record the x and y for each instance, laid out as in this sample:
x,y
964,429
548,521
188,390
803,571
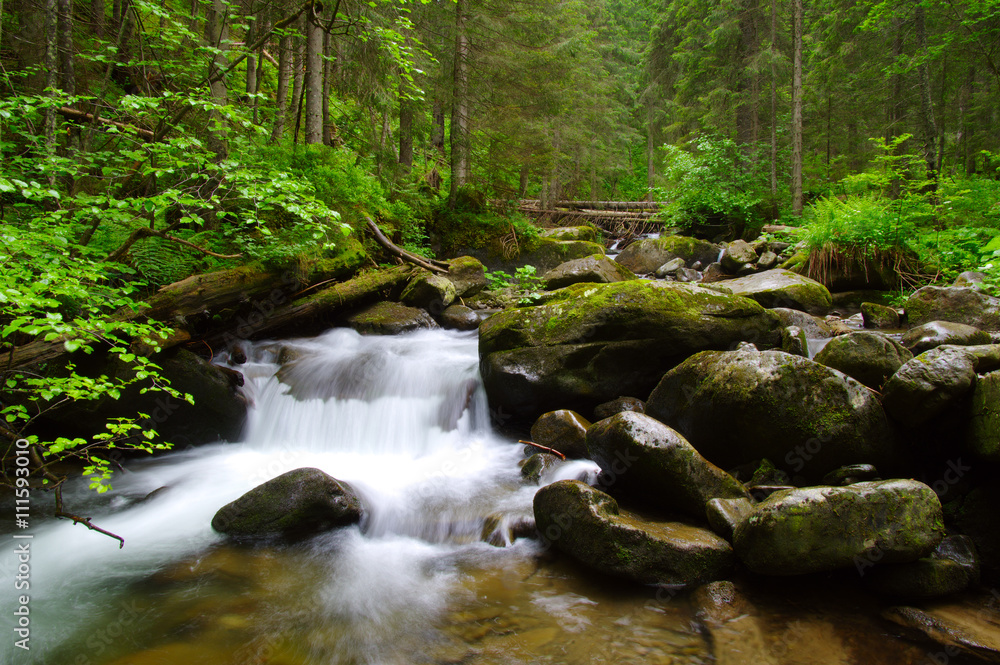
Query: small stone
x,y
793,341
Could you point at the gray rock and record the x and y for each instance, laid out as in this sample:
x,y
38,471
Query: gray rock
x,y
459,317
468,275
714,273
736,255
793,341
879,316
296,504
783,288
688,275
935,333
767,260
562,430
869,357
725,514
588,525
533,468
925,386
818,529
848,475
390,318
429,291
953,566
959,305
645,255
670,267
587,233
598,269
970,278
657,465
739,406
814,327
618,405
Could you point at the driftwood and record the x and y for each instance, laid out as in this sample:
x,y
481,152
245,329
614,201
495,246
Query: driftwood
x,y
74,114
409,257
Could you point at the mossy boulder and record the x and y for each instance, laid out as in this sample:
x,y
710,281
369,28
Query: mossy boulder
x,y
814,327
296,504
724,515
645,255
935,333
549,253
597,268
589,343
390,318
794,341
817,529
869,357
657,466
783,288
952,567
588,233
588,525
736,255
739,406
534,467
956,304
458,317
983,436
875,315
429,291
468,275
562,430
928,384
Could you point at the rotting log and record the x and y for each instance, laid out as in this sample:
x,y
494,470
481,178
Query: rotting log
x,y
595,205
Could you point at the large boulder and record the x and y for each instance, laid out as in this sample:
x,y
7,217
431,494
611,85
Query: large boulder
x,y
598,269
814,327
562,430
429,291
783,288
983,436
736,255
925,386
468,275
549,253
739,406
588,233
655,464
296,504
816,529
869,357
935,333
588,525
956,304
645,255
390,318
589,343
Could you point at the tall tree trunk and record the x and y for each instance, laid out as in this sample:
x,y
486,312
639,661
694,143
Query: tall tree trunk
x,y
97,9
774,110
894,110
650,153
329,130
51,74
437,126
460,139
405,135
284,74
314,80
217,36
251,59
797,108
928,127
747,86
298,80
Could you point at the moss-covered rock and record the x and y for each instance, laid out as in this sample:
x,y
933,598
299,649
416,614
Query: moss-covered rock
x,y
588,233
468,275
618,405
814,327
736,255
794,341
724,515
429,291
818,529
588,525
657,466
983,436
598,269
390,318
562,430
869,357
645,255
925,386
875,315
935,333
549,253
296,504
783,288
740,406
589,343
956,304
458,317
533,468
952,567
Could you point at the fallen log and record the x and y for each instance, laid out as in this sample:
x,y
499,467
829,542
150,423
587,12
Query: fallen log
x,y
428,264
594,205
82,116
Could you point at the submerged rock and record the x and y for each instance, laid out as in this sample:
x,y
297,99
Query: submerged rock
x,y
645,255
737,637
925,386
962,630
588,525
783,288
598,269
869,357
956,304
294,505
935,333
657,465
739,406
818,529
589,343
563,430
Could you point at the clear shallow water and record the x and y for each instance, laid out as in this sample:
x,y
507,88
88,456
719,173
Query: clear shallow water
x,y
405,421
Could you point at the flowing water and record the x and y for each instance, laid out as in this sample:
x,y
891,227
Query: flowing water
x,y
405,421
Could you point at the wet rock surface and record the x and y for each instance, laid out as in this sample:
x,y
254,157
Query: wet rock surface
x,y
869,357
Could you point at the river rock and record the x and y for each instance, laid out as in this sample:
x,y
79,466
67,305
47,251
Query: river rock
x,y
562,430
925,386
549,253
459,317
670,267
929,335
588,233
736,255
739,406
958,629
953,566
869,357
814,327
589,343
816,529
618,405
724,515
645,255
533,468
970,278
956,304
737,637
976,516
598,268
655,464
688,275
713,273
296,504
390,318
767,260
983,436
587,524
468,275
783,288
879,316
850,474
793,341
429,291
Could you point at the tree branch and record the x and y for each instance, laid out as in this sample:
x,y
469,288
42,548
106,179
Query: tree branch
x,y
146,232
427,264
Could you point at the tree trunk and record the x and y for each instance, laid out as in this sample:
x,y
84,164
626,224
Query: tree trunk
x,y
928,127
437,126
251,59
747,120
460,139
774,110
329,130
96,18
405,135
284,74
67,70
298,66
217,36
895,101
51,74
314,80
650,153
797,109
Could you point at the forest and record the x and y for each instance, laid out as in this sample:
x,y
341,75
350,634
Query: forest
x,y
145,142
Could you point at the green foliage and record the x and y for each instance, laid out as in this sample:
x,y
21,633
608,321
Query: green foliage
x,y
712,181
867,222
525,284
